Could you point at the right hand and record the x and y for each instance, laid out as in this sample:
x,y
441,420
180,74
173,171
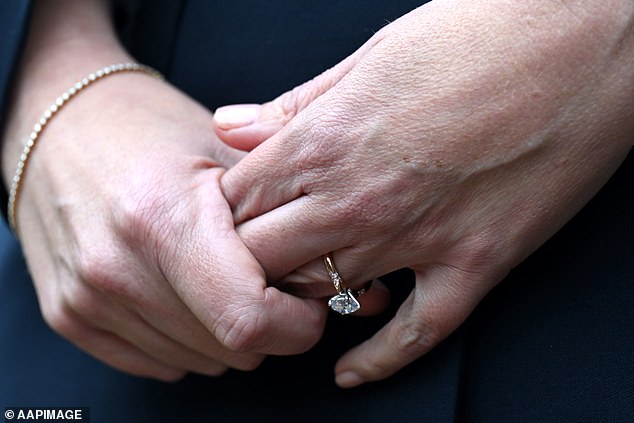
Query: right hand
x,y
132,246
454,159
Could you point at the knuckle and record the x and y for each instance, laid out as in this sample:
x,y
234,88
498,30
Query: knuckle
x,y
485,250
365,209
97,269
241,336
326,127
240,329
151,222
138,217
152,213
323,133
61,320
289,104
478,259
415,337
83,301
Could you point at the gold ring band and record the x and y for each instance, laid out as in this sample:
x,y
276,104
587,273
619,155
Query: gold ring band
x,y
329,263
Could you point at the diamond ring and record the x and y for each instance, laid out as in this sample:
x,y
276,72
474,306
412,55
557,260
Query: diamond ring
x,y
345,301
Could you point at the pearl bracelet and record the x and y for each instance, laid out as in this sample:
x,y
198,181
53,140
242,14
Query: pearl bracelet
x,y
16,182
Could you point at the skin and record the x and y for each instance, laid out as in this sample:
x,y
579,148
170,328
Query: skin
x,y
455,142
128,238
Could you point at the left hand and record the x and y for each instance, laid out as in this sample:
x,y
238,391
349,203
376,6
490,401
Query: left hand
x,y
129,241
442,145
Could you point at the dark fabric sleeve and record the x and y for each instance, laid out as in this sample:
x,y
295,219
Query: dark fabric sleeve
x,y
14,16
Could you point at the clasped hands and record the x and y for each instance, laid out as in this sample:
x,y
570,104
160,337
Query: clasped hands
x,y
163,249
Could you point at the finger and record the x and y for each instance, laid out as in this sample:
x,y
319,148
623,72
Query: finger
x,y
288,238
295,237
110,348
121,297
354,265
175,353
272,176
374,301
123,356
96,310
203,352
245,126
103,345
441,301
262,319
226,287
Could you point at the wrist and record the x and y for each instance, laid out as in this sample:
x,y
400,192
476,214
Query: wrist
x,y
50,114
67,40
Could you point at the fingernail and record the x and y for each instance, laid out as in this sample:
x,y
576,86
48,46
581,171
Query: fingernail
x,y
230,117
348,379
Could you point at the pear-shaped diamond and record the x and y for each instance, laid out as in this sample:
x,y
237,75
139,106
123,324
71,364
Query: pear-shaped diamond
x,y
344,303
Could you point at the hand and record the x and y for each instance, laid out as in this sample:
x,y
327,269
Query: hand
x,y
132,246
455,142
129,241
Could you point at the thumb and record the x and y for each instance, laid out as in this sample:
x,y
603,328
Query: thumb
x,y
441,301
245,126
